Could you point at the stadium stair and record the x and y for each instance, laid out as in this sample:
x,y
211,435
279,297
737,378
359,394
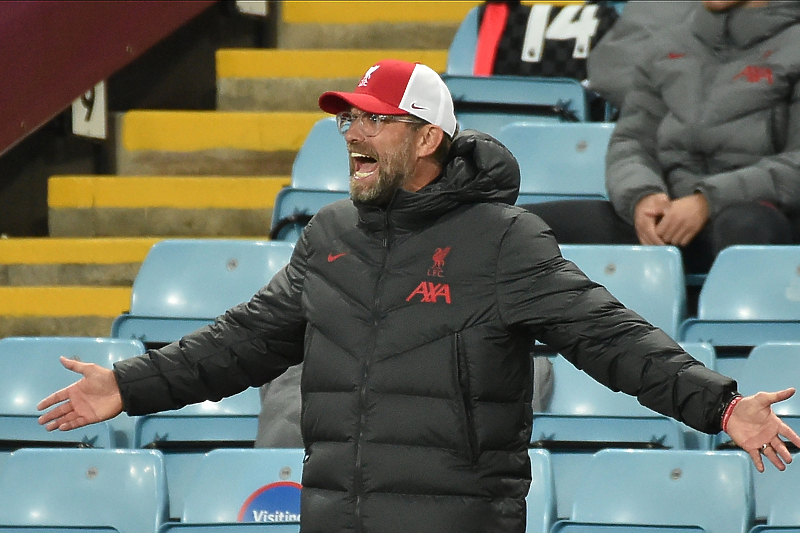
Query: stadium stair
x,y
204,173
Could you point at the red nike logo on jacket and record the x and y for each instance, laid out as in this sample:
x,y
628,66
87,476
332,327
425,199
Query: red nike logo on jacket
x,y
334,257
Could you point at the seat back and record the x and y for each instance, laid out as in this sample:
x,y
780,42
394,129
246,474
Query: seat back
x,y
559,160
32,372
489,103
541,499
320,175
322,163
259,485
122,489
647,279
461,53
712,490
185,283
756,283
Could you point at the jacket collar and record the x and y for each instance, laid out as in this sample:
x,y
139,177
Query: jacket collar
x,y
743,27
479,169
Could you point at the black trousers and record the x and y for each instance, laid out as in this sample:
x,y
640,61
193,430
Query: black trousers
x,y
596,222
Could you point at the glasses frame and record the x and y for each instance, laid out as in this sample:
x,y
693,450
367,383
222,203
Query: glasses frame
x,y
345,120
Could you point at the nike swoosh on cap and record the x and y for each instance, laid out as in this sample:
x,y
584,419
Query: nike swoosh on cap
x,y
415,106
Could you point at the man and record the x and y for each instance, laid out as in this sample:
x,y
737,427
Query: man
x,y
706,151
413,306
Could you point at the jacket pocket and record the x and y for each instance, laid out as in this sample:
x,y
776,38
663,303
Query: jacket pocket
x,y
465,399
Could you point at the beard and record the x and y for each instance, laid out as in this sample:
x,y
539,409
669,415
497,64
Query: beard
x,y
394,170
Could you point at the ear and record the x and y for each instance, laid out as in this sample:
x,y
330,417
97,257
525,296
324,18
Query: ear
x,y
429,137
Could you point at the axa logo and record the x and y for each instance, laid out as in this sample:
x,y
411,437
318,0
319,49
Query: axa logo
x,y
437,269
754,74
365,79
431,292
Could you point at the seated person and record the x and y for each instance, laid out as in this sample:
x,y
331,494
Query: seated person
x,y
706,152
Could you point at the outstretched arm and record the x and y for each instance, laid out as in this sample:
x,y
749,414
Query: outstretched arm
x,y
93,398
756,429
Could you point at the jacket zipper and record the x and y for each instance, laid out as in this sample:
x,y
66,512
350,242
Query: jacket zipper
x,y
462,372
358,480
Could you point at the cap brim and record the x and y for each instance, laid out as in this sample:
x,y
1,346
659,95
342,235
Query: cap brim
x,y
335,102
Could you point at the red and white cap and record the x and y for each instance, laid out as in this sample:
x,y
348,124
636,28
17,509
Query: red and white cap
x,y
393,87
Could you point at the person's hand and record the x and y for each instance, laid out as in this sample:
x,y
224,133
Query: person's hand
x,y
648,212
93,398
753,424
683,219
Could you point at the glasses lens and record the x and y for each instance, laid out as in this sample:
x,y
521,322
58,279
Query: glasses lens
x,y
343,121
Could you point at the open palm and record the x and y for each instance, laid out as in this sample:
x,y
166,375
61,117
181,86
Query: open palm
x,y
93,398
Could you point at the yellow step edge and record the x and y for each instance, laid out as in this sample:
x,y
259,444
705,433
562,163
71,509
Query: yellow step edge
x,y
64,301
205,192
394,11
96,251
191,131
366,12
315,64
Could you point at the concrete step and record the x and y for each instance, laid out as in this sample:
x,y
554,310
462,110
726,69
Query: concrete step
x,y
272,79
370,24
61,310
198,206
203,143
52,261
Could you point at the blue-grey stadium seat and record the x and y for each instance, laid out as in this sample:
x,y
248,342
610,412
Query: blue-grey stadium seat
x,y
32,372
184,284
559,161
122,491
259,485
583,416
668,490
461,53
541,499
776,500
647,279
487,103
751,295
320,176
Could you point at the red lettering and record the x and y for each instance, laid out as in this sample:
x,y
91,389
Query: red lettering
x,y
431,292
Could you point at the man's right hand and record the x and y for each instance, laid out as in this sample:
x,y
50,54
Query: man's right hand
x,y
93,398
647,214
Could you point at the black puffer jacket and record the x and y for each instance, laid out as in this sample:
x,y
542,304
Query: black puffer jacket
x,y
415,324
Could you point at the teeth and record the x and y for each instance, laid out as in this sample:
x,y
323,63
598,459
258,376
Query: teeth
x,y
362,174
356,154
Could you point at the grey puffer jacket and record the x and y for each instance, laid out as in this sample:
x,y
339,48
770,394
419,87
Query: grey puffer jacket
x,y
715,108
415,324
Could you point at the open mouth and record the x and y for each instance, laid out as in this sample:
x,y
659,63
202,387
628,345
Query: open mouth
x,y
363,165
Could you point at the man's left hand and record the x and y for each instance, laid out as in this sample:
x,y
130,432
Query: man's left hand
x,y
753,424
683,219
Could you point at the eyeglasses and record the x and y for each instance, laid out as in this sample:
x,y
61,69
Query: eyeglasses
x,y
370,123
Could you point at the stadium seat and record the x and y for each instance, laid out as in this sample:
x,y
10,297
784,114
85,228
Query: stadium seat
x,y
260,485
584,416
668,491
186,434
461,53
560,161
751,295
778,500
32,372
76,490
541,500
648,279
320,175
489,103
184,284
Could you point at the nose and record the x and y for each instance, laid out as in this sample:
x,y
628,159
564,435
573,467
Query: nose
x,y
354,132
